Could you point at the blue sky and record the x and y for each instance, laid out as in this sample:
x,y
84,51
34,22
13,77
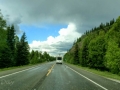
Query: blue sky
x,y
53,25
40,33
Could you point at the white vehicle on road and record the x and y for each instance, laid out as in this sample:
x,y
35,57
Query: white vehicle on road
x,y
59,60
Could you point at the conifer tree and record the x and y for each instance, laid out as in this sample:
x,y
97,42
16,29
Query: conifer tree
x,y
76,55
22,51
11,42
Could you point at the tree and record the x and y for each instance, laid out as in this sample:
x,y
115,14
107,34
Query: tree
x,y
45,56
76,54
5,54
5,57
2,22
112,21
97,53
11,42
35,57
84,51
22,51
112,57
102,26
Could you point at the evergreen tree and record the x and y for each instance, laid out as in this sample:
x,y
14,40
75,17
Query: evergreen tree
x,y
2,22
11,43
5,54
102,26
22,51
112,21
5,57
76,54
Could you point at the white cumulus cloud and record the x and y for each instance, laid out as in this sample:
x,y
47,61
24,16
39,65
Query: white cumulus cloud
x,y
60,44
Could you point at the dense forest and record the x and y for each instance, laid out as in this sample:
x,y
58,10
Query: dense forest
x,y
98,48
15,51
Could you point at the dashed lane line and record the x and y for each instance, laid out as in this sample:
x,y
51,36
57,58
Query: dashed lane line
x,y
49,71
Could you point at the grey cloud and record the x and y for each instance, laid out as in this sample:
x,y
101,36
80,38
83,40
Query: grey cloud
x,y
61,48
84,13
14,21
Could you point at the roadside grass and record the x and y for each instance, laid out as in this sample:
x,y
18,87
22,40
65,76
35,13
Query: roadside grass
x,y
101,73
10,68
15,67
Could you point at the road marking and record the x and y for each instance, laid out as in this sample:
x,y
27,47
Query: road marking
x,y
118,81
49,71
88,79
18,72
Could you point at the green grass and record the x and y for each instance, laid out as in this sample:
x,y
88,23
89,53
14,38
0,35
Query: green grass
x,y
10,68
101,73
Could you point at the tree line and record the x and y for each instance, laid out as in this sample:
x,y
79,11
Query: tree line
x,y
15,51
98,48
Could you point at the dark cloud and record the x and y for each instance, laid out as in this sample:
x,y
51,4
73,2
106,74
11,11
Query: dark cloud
x,y
63,46
84,13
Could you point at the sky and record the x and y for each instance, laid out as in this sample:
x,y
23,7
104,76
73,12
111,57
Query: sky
x,y
53,25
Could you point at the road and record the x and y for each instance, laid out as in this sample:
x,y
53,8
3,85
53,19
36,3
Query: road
x,y
51,76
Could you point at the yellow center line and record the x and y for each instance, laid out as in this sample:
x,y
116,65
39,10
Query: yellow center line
x,y
49,71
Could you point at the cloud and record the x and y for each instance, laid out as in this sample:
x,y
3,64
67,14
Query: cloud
x,y
86,14
60,44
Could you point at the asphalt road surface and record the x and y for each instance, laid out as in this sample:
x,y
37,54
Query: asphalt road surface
x,y
52,76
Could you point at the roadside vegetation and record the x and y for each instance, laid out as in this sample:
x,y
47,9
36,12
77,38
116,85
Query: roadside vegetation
x,y
98,48
15,51
106,74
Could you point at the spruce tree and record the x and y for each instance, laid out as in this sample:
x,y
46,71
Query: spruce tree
x,y
11,43
22,51
76,55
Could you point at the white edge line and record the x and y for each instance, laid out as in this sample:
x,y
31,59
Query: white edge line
x,y
17,72
118,81
88,79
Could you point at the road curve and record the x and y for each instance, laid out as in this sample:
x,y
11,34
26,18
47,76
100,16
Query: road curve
x,y
52,76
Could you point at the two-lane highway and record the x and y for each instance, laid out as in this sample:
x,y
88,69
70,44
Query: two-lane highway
x,y
52,76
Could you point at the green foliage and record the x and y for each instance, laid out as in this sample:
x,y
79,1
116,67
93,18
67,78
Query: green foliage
x,y
68,57
5,52
76,54
35,57
84,52
113,57
11,37
98,48
38,57
22,54
5,57
97,52
11,42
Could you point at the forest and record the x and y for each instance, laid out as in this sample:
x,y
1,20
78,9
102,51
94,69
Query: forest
x,y
15,51
98,48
